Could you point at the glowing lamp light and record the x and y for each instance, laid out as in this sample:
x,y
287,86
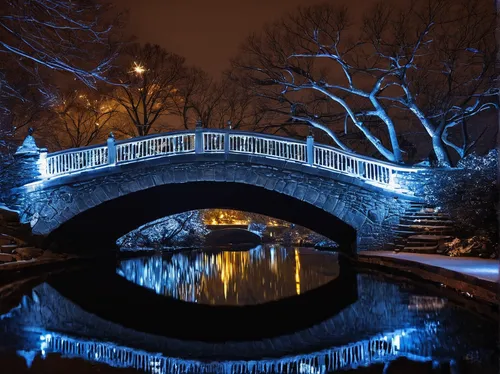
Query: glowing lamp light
x,y
138,68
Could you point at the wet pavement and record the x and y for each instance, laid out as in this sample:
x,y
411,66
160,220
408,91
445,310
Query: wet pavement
x,y
476,267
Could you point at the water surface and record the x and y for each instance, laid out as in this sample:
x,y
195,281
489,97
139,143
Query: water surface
x,y
256,276
73,322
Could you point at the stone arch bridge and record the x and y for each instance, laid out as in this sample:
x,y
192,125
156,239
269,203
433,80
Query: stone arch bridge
x,y
88,197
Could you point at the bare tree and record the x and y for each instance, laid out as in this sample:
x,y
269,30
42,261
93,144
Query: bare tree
x,y
21,106
216,103
402,60
40,41
149,78
68,36
81,118
201,97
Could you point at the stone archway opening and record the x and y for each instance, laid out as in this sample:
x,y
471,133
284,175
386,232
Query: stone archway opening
x,y
99,227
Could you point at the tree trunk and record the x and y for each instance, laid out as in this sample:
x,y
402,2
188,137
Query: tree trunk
x,y
439,148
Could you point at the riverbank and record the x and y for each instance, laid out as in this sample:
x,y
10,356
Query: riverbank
x,y
472,277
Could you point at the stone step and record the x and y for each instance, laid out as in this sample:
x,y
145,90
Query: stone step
x,y
414,227
429,237
4,257
403,233
426,216
421,244
428,222
6,240
430,249
9,246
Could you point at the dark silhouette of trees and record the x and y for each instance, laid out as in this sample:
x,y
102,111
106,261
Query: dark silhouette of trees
x,y
80,118
150,78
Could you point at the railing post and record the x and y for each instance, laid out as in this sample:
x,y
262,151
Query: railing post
x,y
198,137
392,181
226,142
310,149
226,138
42,162
111,149
361,168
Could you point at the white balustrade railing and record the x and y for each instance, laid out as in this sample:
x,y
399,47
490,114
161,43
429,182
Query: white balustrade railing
x,y
220,141
213,141
154,146
332,159
269,147
81,159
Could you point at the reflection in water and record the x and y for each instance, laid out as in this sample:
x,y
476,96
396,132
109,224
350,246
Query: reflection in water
x,y
387,321
362,353
232,278
426,303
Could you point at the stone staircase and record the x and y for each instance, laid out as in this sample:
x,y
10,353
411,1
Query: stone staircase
x,y
14,245
8,246
422,229
14,250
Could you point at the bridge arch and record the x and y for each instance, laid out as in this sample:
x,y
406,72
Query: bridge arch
x,y
95,208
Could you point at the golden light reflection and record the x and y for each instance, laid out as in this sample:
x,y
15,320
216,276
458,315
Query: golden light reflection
x,y
231,278
297,272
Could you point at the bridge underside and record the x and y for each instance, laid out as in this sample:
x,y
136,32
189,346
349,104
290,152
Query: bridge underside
x,y
105,223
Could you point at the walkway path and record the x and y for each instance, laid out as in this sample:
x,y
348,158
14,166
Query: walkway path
x,y
473,277
475,267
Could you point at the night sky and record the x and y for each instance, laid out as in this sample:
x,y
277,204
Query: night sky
x,y
207,33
